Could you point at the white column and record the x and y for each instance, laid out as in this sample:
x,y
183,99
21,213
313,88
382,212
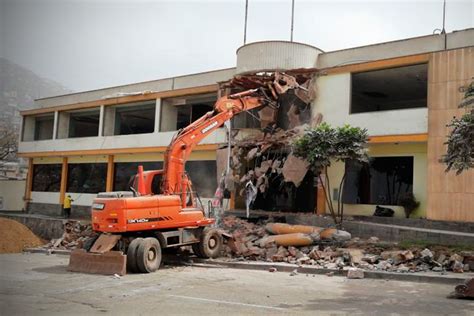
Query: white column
x,y
101,121
157,115
55,124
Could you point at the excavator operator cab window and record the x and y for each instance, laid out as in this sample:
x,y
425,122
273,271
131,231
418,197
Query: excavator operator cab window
x,y
156,184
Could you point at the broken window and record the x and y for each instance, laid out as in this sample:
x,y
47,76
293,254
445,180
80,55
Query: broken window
x,y
135,119
46,178
86,177
125,171
44,127
390,89
84,124
382,181
177,113
203,174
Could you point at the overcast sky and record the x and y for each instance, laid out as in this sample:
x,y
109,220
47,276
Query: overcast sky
x,y
92,44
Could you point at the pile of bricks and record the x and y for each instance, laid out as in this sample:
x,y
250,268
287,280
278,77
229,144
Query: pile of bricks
x,y
250,242
74,236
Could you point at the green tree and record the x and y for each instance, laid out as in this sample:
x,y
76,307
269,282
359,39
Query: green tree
x,y
324,145
460,152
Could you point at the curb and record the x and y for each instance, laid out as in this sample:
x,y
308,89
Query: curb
x,y
288,267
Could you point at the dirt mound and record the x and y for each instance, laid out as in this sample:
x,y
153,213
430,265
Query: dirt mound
x,y
14,237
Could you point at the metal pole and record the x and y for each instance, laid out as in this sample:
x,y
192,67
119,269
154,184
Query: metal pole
x,y
245,23
292,18
443,31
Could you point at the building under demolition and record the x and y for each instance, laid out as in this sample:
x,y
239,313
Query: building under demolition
x,y
403,92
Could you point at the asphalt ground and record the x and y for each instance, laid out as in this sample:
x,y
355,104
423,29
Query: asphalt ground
x,y
39,284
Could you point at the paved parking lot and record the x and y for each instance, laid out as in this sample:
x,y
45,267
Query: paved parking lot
x,y
36,284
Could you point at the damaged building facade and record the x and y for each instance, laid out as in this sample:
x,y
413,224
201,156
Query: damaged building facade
x,y
403,92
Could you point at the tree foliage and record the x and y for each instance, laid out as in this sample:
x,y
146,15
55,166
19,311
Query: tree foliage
x,y
460,143
324,145
8,142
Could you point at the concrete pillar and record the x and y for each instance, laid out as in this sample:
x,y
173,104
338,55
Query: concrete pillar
x,y
108,121
169,115
55,124
101,121
63,125
157,115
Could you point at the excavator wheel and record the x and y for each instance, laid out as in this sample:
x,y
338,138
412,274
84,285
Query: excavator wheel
x,y
210,245
148,255
132,255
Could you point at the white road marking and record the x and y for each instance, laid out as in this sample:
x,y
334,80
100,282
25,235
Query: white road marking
x,y
226,302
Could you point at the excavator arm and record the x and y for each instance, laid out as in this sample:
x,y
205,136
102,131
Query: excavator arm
x,y
178,152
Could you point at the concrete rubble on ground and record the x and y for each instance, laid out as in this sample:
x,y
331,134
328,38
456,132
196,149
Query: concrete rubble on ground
x,y
334,249
74,236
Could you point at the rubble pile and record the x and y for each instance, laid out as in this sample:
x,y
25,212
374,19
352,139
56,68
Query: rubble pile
x,y
75,235
336,250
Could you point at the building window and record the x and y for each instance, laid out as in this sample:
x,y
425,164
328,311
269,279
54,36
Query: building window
x,y
44,127
125,171
46,178
177,113
390,89
382,181
84,124
135,119
86,177
203,174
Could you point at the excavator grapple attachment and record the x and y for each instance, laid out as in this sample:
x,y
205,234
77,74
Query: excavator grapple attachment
x,y
100,259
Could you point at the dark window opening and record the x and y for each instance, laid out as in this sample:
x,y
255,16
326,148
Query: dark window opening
x,y
135,119
382,181
203,174
46,178
44,127
86,177
84,124
190,113
390,89
125,171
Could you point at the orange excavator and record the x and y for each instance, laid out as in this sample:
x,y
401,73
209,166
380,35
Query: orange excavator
x,y
136,225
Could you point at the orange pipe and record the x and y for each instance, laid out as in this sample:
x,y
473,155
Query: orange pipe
x,y
281,228
296,239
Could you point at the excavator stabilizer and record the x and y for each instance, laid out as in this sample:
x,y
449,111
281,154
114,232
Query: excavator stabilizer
x,y
100,259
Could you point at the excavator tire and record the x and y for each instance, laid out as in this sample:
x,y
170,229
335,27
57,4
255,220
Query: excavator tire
x,y
132,255
149,255
211,243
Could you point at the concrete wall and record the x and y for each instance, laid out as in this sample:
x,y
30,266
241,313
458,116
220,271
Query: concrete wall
x,y
112,142
275,55
334,99
418,151
11,195
181,82
451,196
405,47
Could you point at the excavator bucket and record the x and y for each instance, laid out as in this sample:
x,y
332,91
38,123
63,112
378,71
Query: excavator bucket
x,y
99,260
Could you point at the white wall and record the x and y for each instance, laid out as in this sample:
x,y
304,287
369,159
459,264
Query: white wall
x,y
45,197
111,142
333,102
11,194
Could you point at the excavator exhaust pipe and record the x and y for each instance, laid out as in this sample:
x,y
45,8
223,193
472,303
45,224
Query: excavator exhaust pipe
x,y
100,259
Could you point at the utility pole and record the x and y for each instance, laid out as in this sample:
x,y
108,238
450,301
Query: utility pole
x,y
292,18
245,23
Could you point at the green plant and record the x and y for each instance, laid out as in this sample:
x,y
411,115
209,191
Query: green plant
x,y
409,203
460,152
324,145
